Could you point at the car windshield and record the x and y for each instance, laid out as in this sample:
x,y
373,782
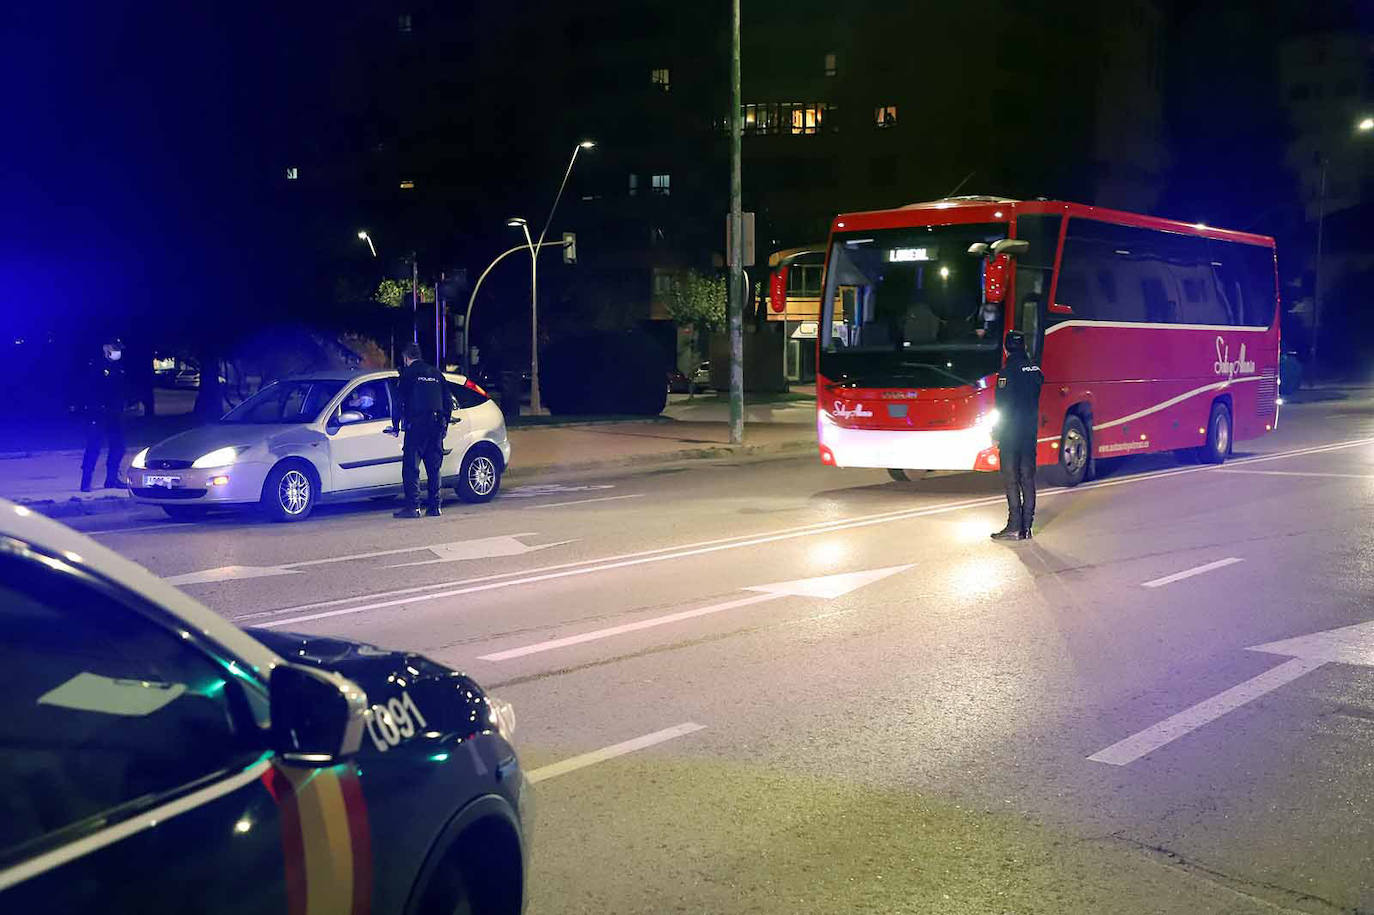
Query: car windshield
x,y
285,402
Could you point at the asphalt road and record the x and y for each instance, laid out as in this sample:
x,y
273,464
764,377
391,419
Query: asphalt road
x,y
1067,725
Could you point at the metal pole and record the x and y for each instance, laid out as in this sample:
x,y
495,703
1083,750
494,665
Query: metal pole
x,y
1317,280
736,241
438,325
414,298
534,321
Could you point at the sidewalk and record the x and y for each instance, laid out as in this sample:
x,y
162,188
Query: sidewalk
x,y
49,480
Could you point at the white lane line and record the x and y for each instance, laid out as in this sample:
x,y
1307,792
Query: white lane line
x,y
530,508
418,593
825,587
1303,473
617,749
1174,727
609,631
163,526
1189,573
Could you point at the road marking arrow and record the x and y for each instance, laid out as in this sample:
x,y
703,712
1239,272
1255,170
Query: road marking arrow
x,y
826,586
484,548
1346,645
461,550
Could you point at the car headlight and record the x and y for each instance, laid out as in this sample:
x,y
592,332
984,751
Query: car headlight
x,y
217,458
502,717
140,461
990,419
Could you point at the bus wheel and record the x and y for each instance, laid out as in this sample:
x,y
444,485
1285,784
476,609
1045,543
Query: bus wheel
x,y
1218,435
1075,453
899,475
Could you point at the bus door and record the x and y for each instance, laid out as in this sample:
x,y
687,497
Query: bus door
x,y
1034,275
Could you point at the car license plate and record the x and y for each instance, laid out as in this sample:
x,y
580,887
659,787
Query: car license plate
x,y
164,482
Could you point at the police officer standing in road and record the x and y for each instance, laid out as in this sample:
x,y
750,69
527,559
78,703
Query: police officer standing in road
x,y
423,411
1018,406
106,395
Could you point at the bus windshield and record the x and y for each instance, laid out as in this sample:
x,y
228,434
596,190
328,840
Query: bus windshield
x,y
905,307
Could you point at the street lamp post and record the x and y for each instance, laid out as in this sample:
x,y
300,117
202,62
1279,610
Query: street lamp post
x,y
472,299
362,234
1364,126
517,222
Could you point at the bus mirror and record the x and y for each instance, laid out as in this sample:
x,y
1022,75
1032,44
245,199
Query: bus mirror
x,y
995,278
978,249
1012,246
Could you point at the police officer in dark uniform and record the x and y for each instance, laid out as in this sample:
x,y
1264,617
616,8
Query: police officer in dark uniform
x,y
423,411
106,395
1018,406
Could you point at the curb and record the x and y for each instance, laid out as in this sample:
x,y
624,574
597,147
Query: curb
x,y
74,507
644,463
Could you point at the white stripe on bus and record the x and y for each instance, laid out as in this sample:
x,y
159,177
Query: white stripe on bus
x,y
1164,405
1223,328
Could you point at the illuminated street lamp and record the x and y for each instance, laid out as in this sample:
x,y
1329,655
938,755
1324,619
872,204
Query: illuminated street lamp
x,y
362,235
1365,125
535,246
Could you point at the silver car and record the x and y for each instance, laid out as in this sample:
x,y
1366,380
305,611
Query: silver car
x,y
316,438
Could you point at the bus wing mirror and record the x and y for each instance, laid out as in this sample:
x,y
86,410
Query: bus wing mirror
x,y
978,249
1014,247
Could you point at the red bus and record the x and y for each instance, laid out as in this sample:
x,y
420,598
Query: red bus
x,y
1153,335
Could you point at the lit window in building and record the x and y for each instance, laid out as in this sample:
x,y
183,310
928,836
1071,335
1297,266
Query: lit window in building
x,y
404,24
806,119
830,64
660,78
292,174
407,185
663,282
634,184
885,116
662,184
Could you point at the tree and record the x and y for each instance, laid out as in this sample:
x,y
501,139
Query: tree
x,y
697,301
396,293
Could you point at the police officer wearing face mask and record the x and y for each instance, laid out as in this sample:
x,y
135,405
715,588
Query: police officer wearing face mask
x,y
106,396
423,411
1018,408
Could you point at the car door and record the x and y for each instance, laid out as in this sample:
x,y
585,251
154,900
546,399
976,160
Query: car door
x,y
460,427
134,775
363,453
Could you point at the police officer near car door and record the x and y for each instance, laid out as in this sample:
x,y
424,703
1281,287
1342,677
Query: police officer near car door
x,y
106,395
1018,408
423,411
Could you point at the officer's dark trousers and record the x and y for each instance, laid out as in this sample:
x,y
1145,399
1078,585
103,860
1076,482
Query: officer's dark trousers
x,y
424,441
1018,475
106,427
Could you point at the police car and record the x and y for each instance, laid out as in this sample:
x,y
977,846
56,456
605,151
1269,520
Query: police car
x,y
156,758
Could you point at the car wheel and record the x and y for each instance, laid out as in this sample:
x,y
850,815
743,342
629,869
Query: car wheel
x,y
184,512
290,492
1218,435
900,476
1075,451
479,477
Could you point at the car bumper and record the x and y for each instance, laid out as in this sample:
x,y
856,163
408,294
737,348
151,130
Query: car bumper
x,y
237,484
953,449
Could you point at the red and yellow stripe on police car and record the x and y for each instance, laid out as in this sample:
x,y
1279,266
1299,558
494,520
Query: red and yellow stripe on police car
x,y
325,842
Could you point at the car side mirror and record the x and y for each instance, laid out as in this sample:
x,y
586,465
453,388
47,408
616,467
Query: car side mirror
x,y
317,716
348,417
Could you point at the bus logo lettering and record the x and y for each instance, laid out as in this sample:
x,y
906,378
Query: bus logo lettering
x,y
844,412
1224,364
